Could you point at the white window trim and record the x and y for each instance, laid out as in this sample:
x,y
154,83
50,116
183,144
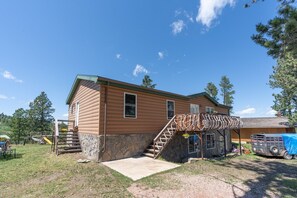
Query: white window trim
x,y
167,108
195,104
213,109
124,113
213,139
77,113
194,146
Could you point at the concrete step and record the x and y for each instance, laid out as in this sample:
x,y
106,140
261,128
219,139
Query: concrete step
x,y
149,155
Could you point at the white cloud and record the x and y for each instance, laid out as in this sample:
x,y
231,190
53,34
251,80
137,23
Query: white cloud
x,y
209,10
177,26
247,111
161,55
65,115
189,16
271,112
118,56
9,76
139,69
3,97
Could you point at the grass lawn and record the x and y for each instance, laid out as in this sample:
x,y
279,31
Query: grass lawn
x,y
39,173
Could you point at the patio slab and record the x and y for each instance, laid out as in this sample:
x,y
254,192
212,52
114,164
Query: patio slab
x,y
140,167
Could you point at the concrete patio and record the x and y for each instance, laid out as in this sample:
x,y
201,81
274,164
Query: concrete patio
x,y
140,167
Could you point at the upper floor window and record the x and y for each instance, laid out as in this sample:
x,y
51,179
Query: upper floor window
x,y
209,109
72,108
194,108
130,105
170,109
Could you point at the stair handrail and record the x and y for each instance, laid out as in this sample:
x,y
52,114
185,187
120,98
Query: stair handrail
x,y
170,121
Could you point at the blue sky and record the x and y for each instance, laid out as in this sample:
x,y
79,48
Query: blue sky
x,y
182,45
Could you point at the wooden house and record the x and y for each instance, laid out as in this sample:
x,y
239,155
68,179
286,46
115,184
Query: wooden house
x,y
117,120
264,125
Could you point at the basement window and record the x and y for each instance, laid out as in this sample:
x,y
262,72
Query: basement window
x,y
130,105
210,141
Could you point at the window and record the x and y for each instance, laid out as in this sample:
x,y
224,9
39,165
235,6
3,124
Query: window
x,y
72,109
193,144
77,114
130,105
210,141
170,109
194,108
209,110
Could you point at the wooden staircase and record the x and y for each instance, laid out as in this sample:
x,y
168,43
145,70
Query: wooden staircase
x,y
67,142
161,140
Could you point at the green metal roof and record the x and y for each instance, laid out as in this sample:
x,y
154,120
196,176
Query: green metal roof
x,y
120,84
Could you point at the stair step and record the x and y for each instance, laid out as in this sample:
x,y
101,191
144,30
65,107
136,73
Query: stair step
x,y
149,155
69,147
152,150
69,151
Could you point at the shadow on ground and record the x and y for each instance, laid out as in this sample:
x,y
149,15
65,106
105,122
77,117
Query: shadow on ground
x,y
275,177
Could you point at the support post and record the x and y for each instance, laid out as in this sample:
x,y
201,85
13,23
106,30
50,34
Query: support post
x,y
225,150
239,141
201,145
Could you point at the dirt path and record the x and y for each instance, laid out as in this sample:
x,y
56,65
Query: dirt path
x,y
234,178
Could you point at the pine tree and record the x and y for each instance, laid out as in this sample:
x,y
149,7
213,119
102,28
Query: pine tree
x,y
212,90
226,91
279,35
284,77
19,124
40,114
147,82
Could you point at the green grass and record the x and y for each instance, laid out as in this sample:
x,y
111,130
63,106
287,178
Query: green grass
x,y
39,173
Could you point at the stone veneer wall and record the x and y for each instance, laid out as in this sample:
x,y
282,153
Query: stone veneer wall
x,y
89,145
130,145
126,145
117,146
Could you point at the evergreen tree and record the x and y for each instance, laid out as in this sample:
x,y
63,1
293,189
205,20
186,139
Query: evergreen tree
x,y
279,35
226,91
284,77
212,90
147,82
40,114
19,124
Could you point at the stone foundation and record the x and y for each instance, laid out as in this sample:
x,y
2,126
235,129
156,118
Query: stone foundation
x,y
124,146
130,145
89,145
117,146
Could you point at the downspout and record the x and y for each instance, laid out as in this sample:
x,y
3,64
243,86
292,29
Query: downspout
x,y
101,151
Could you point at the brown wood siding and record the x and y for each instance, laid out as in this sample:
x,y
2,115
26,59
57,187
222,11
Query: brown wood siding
x,y
88,96
203,102
246,133
151,111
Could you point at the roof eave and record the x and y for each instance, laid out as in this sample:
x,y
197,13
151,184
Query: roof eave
x,y
76,83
